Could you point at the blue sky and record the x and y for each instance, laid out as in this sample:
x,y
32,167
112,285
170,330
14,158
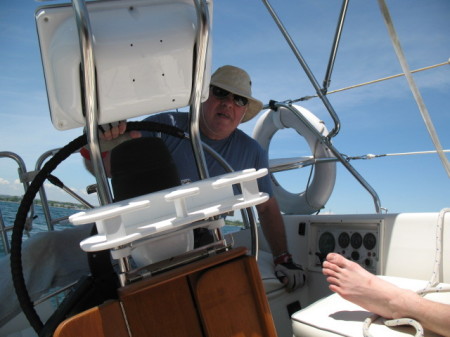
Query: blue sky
x,y
381,118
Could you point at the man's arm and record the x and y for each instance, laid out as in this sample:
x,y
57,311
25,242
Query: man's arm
x,y
288,272
273,226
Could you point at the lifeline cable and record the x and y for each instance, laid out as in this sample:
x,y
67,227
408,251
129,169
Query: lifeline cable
x,y
305,98
27,200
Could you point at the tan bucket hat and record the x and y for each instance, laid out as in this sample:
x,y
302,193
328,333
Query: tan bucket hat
x,y
238,82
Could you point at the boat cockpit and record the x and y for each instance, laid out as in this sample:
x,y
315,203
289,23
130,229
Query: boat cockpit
x,y
113,60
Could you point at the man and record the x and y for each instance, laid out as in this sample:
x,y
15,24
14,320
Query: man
x,y
230,103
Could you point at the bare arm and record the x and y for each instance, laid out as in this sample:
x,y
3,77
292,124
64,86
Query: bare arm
x,y
273,226
374,294
432,315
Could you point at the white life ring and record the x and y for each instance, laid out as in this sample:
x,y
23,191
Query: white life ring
x,y
318,192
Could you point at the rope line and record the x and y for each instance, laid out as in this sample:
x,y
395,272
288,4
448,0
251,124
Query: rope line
x,y
393,322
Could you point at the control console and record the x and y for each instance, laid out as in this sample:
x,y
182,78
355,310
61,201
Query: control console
x,y
357,241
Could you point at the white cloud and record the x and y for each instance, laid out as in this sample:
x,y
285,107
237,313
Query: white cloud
x,y
8,188
4,181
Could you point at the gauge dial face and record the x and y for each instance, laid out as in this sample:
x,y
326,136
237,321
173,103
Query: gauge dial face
x,y
327,243
369,241
344,240
356,240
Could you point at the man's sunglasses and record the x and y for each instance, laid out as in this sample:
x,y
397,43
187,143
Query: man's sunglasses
x,y
222,93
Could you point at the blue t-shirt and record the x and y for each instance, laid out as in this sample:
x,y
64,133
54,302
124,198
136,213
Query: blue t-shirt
x,y
239,150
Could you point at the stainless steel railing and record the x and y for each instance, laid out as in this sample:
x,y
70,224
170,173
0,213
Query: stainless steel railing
x,y
24,179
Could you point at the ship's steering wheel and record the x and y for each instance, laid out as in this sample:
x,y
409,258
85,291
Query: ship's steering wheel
x,y
99,264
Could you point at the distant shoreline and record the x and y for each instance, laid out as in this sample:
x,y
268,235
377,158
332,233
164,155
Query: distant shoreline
x,y
59,204
74,206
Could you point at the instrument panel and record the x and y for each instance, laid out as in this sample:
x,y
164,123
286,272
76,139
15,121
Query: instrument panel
x,y
359,242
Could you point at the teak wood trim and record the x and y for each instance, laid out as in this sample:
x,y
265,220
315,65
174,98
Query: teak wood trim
x,y
105,320
219,296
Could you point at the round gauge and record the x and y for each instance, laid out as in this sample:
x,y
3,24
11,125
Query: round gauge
x,y
326,243
344,239
356,240
369,241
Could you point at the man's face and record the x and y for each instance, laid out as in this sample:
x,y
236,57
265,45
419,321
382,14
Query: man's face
x,y
220,116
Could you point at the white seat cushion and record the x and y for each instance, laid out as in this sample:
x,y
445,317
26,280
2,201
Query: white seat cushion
x,y
334,316
266,269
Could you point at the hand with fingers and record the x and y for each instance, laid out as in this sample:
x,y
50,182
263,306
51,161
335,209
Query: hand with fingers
x,y
110,135
112,130
288,272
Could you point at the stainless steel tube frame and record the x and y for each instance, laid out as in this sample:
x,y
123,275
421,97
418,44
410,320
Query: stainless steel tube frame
x,y
22,170
336,153
203,30
90,98
307,71
334,48
247,214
